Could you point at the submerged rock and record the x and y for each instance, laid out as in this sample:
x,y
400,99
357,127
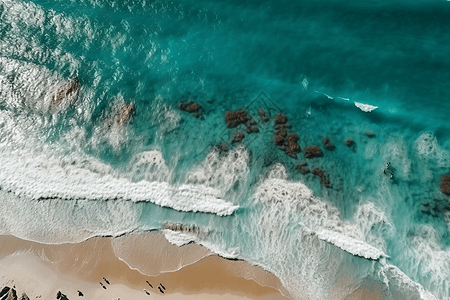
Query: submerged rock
x,y
281,131
251,122
291,145
234,118
185,228
125,114
323,177
263,116
313,151
330,147
302,168
349,142
279,140
67,92
238,137
280,119
328,144
445,184
194,108
292,138
302,163
369,134
222,148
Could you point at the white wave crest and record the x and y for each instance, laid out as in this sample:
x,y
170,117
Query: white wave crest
x,y
365,107
179,238
351,245
35,170
54,221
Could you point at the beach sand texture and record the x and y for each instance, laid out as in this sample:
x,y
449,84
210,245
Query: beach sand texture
x,y
42,270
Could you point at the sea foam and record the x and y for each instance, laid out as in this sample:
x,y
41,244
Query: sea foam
x,y
37,171
313,235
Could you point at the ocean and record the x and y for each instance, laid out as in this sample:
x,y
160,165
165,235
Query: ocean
x,y
93,141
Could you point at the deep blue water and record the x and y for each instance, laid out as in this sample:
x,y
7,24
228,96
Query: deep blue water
x,y
310,60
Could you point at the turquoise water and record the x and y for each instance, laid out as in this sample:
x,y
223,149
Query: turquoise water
x,y
74,173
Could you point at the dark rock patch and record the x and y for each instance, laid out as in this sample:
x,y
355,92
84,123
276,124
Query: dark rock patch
x,y
313,151
280,119
234,118
349,142
254,129
193,108
248,130
292,138
184,228
251,122
328,144
66,92
330,147
285,142
263,116
24,297
291,145
11,295
124,115
4,291
323,177
238,137
445,185
58,295
281,131
302,167
223,148
302,163
80,294
64,297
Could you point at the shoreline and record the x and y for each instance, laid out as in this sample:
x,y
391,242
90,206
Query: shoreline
x,y
187,272
41,270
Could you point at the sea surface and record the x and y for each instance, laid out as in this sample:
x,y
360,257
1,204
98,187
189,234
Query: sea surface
x,y
76,167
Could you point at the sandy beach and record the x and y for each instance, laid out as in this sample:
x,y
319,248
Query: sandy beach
x,y
42,270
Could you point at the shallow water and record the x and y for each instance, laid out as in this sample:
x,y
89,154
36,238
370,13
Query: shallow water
x,y
334,68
